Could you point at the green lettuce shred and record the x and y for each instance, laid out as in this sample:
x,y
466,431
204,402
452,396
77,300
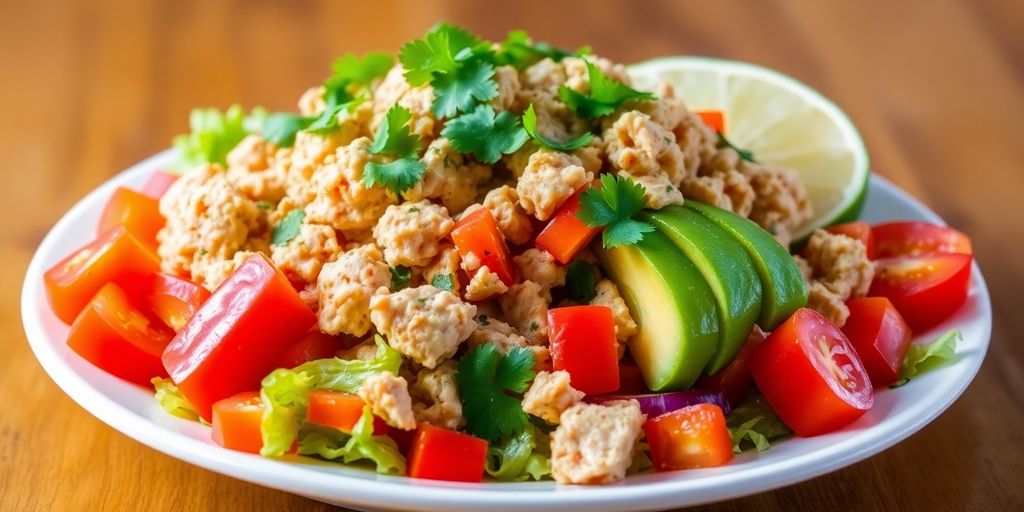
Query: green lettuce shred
x,y
922,357
754,424
213,134
172,401
523,456
334,444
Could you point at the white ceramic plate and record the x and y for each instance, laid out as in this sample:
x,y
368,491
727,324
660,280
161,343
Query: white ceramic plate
x,y
131,410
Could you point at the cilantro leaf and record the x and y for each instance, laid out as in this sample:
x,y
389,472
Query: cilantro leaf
x,y
213,134
281,127
725,143
288,228
400,277
397,176
612,206
443,282
519,51
581,282
484,134
439,52
460,91
604,97
361,70
922,357
483,377
393,136
530,125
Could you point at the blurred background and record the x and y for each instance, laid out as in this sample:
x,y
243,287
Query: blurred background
x,y
90,87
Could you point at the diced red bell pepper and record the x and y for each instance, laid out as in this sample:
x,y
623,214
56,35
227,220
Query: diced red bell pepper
x,y
476,235
236,422
715,119
238,336
119,338
565,235
583,343
174,300
339,410
138,213
880,336
116,256
158,183
441,454
691,437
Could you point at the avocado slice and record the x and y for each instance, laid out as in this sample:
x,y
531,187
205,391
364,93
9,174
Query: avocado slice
x,y
673,307
781,280
726,268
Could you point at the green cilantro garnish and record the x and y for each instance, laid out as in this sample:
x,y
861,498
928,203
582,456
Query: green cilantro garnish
x,y
604,97
350,69
485,134
612,206
288,228
443,282
725,143
213,134
464,88
457,64
400,277
483,378
394,138
520,51
530,125
580,282
281,127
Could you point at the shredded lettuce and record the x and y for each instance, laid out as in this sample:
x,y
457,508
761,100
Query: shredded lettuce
x,y
172,401
925,356
754,424
334,444
213,134
641,461
285,393
521,457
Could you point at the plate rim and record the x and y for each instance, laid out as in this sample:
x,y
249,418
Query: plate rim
x,y
671,491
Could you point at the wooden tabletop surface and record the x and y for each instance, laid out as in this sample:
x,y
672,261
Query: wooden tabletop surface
x,y
88,88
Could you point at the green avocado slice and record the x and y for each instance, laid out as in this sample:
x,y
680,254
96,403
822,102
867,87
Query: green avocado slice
x,y
673,307
781,280
727,269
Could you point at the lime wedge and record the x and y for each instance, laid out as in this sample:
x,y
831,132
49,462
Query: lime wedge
x,y
782,121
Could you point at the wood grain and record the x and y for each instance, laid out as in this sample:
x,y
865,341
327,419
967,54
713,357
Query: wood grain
x,y
88,88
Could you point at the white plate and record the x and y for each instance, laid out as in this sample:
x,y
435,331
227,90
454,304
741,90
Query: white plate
x,y
131,410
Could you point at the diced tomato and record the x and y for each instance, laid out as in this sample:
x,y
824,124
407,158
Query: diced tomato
x,y
565,235
339,410
687,438
314,345
714,119
441,454
238,336
174,300
158,183
236,422
917,238
119,338
734,380
117,257
583,344
138,213
925,289
477,233
631,380
880,336
811,375
858,230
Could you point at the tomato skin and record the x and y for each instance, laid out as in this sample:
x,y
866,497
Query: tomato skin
x,y
713,118
238,336
688,438
312,346
174,300
858,230
441,454
734,380
236,422
880,336
583,344
927,289
339,410
158,183
138,213
565,234
912,238
116,256
119,338
477,233
799,380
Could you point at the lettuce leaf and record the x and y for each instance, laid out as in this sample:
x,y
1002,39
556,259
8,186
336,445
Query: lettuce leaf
x,y
172,401
754,424
213,134
925,356
334,444
520,457
285,393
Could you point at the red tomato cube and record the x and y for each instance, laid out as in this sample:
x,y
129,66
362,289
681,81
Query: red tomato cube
x,y
880,336
583,343
691,437
236,422
138,213
441,454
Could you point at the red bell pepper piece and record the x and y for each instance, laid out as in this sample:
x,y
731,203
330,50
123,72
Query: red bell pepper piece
x,y
441,454
715,119
477,234
565,235
583,344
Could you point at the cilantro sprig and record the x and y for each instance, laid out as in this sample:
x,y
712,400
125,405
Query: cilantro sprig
x,y
519,50
484,377
745,154
485,134
530,125
457,64
394,138
605,96
612,207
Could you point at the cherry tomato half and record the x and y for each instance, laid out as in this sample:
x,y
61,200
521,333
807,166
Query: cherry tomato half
x,y
925,289
691,437
811,375
174,300
858,230
138,213
917,238
880,336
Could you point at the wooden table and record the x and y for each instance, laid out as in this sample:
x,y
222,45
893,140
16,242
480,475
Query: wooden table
x,y
88,88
